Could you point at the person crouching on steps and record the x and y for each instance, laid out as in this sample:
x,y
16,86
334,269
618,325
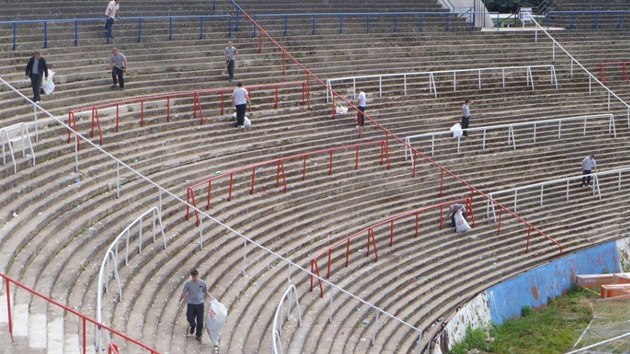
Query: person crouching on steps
x,y
118,65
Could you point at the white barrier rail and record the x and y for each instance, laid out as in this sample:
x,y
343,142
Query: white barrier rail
x,y
13,134
276,331
246,240
511,135
591,77
111,255
432,74
562,181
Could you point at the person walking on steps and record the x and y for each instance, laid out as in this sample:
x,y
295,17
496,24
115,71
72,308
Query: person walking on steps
x,y
362,105
453,209
240,97
466,117
35,69
195,292
111,14
230,53
588,165
118,64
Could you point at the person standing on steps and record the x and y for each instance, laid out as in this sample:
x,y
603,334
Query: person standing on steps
x,y
240,97
588,165
118,64
362,105
35,69
230,53
453,209
195,292
466,116
111,13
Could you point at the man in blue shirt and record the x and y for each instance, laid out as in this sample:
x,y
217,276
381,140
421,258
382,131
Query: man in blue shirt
x,y
196,292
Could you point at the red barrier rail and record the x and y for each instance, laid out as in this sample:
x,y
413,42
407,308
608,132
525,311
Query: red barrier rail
x,y
280,171
415,152
369,231
84,319
622,64
195,96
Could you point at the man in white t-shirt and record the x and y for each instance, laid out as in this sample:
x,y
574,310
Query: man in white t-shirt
x,y
362,105
111,13
588,165
465,117
240,97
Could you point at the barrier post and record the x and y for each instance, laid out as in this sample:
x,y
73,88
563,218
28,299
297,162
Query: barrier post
x,y
417,223
313,29
356,158
201,27
499,221
276,99
139,29
142,113
391,233
92,129
330,164
283,63
328,266
14,35
170,28
168,109
117,116
251,189
304,168
45,34
209,195
259,42
9,315
347,250
84,330
76,32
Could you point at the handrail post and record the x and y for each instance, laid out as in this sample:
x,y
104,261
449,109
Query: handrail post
x,y
139,29
14,35
329,261
84,339
170,28
286,25
45,34
313,29
499,222
76,32
9,315
201,27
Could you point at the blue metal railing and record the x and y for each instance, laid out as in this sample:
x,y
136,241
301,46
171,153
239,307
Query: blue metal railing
x,y
588,15
140,20
366,16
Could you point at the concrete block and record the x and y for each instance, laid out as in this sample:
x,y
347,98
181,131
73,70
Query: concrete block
x,y
613,290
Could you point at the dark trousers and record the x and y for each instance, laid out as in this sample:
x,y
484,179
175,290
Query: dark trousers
x,y
586,180
361,116
465,124
36,85
230,69
194,316
240,113
117,77
109,26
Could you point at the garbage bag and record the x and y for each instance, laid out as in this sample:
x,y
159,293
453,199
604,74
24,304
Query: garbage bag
x,y
341,110
461,225
247,123
47,84
457,130
215,320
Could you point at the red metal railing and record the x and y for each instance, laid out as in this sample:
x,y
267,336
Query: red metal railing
x,y
623,65
196,97
84,319
371,239
280,171
415,152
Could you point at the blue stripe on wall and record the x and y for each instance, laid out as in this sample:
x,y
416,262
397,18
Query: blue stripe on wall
x,y
535,287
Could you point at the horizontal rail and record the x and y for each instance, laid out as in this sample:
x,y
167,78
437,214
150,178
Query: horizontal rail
x,y
68,309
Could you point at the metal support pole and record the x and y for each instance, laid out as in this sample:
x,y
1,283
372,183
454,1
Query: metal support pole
x,y
117,179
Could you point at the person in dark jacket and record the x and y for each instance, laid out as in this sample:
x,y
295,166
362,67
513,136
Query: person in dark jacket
x,y
35,69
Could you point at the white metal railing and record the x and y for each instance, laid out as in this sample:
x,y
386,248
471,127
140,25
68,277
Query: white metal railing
x,y
573,61
11,135
246,240
111,256
432,74
565,182
290,294
510,128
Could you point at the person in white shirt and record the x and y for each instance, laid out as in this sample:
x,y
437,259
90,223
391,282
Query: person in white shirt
x,y
465,117
240,97
588,165
362,105
111,13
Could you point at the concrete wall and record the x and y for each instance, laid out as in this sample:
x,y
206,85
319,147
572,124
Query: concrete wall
x,y
482,17
533,288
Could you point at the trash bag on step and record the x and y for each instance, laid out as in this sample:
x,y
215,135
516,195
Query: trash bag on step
x,y
48,86
457,130
215,320
461,225
341,110
247,123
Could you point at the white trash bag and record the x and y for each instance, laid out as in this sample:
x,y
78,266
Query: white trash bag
x,y
247,123
341,110
215,320
457,130
461,225
47,84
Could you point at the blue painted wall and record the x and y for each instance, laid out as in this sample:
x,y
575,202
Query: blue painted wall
x,y
536,286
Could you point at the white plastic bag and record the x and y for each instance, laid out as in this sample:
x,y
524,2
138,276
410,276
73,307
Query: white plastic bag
x,y
457,130
215,320
247,123
461,225
47,84
341,110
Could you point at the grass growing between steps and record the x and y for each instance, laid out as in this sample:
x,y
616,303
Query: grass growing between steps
x,y
553,328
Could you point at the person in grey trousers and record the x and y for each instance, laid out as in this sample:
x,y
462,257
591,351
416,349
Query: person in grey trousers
x,y
230,53
195,292
35,69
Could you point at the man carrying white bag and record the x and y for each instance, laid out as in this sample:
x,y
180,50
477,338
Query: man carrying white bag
x,y
215,320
